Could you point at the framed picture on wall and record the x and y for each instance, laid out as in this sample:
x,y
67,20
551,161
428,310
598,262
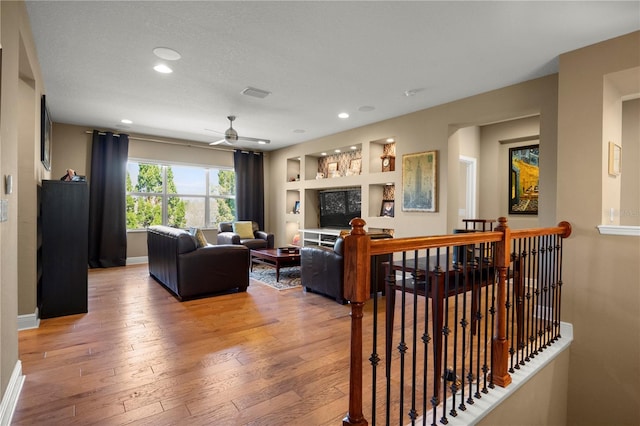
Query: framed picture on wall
x,y
615,156
387,208
45,134
419,182
524,179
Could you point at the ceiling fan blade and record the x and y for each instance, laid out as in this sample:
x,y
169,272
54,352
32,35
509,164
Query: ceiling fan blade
x,y
221,141
248,139
214,131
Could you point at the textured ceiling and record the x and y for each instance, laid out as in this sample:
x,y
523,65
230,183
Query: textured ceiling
x,y
316,58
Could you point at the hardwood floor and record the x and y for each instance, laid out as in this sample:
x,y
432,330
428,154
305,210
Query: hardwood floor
x,y
264,357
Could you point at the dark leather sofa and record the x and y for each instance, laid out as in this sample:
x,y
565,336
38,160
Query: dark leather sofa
x,y
260,240
322,269
189,271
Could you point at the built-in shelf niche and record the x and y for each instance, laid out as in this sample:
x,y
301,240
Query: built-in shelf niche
x,y
345,159
293,169
378,149
377,194
293,196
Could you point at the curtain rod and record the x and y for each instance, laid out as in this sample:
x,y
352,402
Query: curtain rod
x,y
137,138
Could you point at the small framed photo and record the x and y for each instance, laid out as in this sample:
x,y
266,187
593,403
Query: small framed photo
x,y
45,134
615,154
387,208
355,165
296,207
332,169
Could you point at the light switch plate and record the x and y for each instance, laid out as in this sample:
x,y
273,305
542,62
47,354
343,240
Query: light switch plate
x,y
4,210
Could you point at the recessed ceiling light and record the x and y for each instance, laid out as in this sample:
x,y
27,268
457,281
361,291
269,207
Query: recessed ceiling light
x,y
391,140
163,69
166,53
354,147
336,151
125,121
324,153
366,108
343,115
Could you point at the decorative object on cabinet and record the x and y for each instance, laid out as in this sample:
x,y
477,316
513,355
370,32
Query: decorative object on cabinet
x,y
388,163
419,182
524,176
355,166
296,207
45,134
387,208
319,175
615,157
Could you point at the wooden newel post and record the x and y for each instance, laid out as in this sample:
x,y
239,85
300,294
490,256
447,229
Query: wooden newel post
x,y
500,374
356,290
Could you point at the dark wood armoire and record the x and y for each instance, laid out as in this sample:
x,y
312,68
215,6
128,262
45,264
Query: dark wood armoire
x,y
63,248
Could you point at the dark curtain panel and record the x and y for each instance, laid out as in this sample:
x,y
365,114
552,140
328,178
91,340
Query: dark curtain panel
x,y
107,200
249,186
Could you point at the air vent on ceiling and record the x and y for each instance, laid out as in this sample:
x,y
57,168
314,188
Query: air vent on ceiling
x,y
256,93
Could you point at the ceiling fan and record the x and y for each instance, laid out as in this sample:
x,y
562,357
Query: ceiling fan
x,y
231,136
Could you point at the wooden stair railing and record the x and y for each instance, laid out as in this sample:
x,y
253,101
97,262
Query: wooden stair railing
x,y
358,249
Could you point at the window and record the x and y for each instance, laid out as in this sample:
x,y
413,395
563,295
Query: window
x,y
178,195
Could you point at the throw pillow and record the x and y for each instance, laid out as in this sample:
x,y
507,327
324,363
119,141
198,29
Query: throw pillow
x,y
198,235
244,229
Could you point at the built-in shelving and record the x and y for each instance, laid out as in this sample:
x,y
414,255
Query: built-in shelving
x,y
348,166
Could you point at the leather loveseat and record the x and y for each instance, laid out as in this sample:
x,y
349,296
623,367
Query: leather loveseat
x,y
256,240
322,269
189,271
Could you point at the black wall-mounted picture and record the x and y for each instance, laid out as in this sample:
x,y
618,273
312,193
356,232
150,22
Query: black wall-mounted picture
x,y
45,135
524,179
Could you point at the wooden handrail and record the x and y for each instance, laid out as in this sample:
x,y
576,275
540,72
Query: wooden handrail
x,y
358,249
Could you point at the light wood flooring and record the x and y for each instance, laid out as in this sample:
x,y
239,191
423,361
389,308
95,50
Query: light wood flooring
x,y
264,357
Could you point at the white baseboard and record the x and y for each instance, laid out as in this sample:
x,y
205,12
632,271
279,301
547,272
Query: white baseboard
x,y
28,321
137,260
10,399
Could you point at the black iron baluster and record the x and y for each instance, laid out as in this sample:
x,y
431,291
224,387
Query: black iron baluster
x,y
413,414
426,339
402,346
478,283
492,276
461,281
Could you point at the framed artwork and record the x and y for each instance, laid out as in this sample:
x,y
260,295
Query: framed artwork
x,y
332,168
524,178
615,156
45,134
296,207
386,210
419,182
355,165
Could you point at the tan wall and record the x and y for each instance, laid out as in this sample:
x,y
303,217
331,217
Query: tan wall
x,y
20,90
430,129
542,401
601,294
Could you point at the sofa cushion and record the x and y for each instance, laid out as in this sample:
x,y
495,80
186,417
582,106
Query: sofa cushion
x,y
198,235
244,229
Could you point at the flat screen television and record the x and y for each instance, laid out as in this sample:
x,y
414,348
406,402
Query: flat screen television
x,y
338,207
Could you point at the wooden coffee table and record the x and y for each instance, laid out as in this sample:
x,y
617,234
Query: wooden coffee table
x,y
272,257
